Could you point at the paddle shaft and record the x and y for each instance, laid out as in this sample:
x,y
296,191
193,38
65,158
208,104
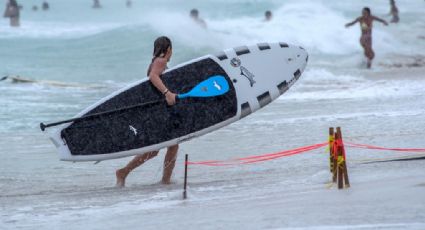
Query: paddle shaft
x,y
44,126
217,83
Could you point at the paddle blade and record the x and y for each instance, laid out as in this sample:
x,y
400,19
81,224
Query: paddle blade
x,y
214,86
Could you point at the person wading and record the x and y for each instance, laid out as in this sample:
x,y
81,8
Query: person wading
x,y
161,55
366,21
394,12
12,12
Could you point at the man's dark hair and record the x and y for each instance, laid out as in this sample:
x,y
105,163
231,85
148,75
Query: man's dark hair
x,y
194,13
268,13
160,47
367,9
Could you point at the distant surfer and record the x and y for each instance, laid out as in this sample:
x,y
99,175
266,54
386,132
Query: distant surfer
x,y
161,55
96,4
194,14
268,16
12,12
394,12
366,21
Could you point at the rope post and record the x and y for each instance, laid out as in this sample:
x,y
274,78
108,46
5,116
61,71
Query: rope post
x,y
185,176
344,163
334,151
342,172
331,142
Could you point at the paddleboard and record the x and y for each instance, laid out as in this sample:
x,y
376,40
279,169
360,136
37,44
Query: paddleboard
x,y
256,75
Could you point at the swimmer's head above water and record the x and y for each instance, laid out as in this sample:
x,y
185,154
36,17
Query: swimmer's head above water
x,y
268,15
194,13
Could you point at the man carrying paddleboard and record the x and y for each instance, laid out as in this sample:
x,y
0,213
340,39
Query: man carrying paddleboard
x,y
161,55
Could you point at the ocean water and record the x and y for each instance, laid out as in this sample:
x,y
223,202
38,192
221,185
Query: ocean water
x,y
99,51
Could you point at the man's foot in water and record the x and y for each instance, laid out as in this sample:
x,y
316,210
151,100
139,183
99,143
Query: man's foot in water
x,y
165,182
121,175
369,64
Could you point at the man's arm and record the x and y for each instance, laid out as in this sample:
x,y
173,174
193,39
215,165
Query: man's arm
x,y
352,23
157,68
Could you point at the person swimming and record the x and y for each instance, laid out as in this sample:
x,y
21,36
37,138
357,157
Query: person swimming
x,y
268,16
394,12
366,21
194,14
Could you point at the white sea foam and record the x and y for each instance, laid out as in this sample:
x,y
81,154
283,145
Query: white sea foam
x,y
62,30
322,30
319,84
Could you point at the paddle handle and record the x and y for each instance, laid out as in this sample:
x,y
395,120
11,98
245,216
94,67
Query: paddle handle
x,y
181,96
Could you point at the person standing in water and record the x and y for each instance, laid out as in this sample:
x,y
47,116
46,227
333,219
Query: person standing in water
x,y
96,4
366,21
45,6
129,3
12,12
194,14
394,12
161,55
268,16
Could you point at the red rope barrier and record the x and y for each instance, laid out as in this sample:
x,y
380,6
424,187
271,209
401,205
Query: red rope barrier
x,y
364,146
260,158
285,153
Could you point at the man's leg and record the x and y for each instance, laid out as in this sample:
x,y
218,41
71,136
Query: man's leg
x,y
136,162
169,163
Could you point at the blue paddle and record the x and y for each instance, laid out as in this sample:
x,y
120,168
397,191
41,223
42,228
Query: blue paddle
x,y
213,86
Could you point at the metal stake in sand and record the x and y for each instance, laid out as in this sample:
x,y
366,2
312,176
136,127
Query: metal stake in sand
x,y
185,176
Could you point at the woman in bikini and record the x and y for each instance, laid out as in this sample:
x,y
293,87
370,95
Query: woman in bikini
x,y
366,21
161,55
